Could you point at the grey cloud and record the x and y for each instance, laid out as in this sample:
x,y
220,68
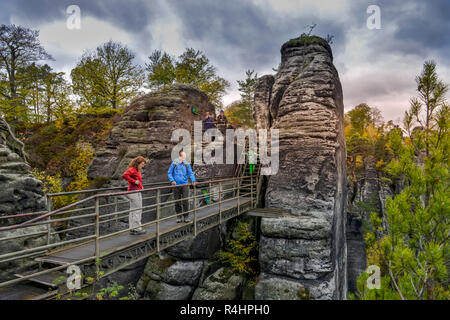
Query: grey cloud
x,y
238,35
131,15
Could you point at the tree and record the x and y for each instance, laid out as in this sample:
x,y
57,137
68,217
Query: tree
x,y
18,47
360,117
47,92
191,67
161,69
247,87
431,92
415,251
241,112
107,77
238,114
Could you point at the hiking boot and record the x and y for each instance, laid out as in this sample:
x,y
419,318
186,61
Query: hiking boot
x,y
186,219
138,231
179,220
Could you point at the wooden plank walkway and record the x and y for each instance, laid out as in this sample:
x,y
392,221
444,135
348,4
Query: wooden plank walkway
x,y
118,242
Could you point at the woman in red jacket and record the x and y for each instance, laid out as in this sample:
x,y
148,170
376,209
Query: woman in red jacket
x,y
134,177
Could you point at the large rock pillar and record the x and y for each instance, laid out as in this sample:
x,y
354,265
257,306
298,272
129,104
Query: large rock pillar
x,y
304,256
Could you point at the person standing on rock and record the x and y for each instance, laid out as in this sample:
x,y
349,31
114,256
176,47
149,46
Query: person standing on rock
x,y
179,172
208,123
134,177
222,121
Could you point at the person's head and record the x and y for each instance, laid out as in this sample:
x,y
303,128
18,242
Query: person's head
x,y
138,163
182,155
222,113
207,114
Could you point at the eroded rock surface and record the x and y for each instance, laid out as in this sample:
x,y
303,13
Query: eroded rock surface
x,y
306,106
20,191
145,129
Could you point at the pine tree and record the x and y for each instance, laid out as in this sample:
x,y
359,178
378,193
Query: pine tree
x,y
413,243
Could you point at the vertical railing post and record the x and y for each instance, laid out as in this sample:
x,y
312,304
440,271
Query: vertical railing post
x,y
97,235
158,215
195,211
210,197
238,197
116,216
220,202
251,191
49,209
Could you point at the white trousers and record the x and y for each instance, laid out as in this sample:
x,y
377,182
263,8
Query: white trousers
x,y
135,209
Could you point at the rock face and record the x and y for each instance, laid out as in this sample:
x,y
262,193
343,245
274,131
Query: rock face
x,y
356,251
262,99
370,191
167,279
308,250
146,129
220,286
20,192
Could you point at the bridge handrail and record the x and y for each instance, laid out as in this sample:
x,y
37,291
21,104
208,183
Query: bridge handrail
x,y
12,216
105,195
111,188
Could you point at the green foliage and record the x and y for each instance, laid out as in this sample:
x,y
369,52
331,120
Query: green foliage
x,y
19,47
107,77
132,294
241,253
240,112
191,67
58,154
303,294
47,94
360,117
414,253
109,292
52,184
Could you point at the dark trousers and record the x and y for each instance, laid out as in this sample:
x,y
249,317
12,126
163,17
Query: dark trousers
x,y
183,205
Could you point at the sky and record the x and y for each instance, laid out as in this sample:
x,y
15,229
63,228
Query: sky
x,y
376,66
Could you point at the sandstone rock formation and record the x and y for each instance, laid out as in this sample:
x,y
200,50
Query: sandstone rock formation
x,y
367,194
20,192
220,286
146,128
263,94
308,251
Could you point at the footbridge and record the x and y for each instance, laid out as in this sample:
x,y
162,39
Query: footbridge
x,y
93,233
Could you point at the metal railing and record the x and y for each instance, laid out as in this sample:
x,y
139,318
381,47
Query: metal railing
x,y
97,217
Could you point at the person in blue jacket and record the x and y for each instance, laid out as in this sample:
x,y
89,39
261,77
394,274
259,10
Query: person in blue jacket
x,y
179,172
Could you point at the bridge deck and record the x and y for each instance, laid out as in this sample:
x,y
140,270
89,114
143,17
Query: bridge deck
x,y
117,242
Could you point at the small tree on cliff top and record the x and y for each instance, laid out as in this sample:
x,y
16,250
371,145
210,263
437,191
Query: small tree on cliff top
x,y
107,77
191,67
241,112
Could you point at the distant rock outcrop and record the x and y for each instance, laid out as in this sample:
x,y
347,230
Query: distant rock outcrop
x,y
145,129
307,252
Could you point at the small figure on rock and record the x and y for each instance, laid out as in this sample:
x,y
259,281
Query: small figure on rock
x,y
208,123
222,121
